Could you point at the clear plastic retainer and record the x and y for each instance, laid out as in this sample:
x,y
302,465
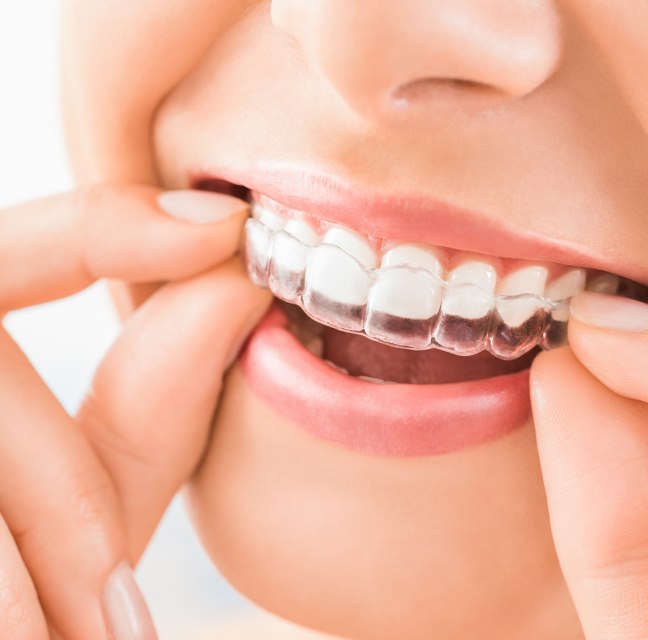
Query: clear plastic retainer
x,y
446,327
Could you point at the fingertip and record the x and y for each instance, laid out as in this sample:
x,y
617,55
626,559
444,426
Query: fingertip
x,y
549,364
558,384
616,313
616,358
201,207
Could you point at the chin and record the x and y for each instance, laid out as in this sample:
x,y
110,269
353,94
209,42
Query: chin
x,y
366,546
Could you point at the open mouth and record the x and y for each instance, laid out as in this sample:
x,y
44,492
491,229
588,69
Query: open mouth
x,y
383,316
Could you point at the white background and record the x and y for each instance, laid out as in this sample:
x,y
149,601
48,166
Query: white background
x,y
65,339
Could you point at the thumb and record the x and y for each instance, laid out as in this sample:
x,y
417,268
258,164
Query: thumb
x,y
154,395
593,447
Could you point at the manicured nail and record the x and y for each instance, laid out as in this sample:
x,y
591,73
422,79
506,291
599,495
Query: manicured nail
x,y
200,207
127,615
610,312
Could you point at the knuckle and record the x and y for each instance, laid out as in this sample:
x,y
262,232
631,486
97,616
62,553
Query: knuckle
x,y
88,509
91,499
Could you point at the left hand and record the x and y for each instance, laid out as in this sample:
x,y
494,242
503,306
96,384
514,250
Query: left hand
x,y
590,406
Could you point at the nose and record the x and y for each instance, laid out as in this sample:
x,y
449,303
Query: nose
x,y
386,55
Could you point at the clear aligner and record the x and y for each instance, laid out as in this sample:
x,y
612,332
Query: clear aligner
x,y
403,299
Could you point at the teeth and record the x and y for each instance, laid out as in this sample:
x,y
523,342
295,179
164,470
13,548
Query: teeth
x,y
289,254
464,321
565,286
528,280
404,300
402,296
467,301
287,267
302,231
335,287
405,294
334,366
268,218
409,255
353,244
374,380
258,250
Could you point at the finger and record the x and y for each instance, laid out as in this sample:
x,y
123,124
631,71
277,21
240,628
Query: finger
x,y
59,245
61,508
154,395
609,335
21,617
593,447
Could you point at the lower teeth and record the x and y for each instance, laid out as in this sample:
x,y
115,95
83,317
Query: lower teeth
x,y
376,380
337,367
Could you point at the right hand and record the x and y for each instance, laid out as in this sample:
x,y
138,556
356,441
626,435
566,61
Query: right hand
x,y
80,496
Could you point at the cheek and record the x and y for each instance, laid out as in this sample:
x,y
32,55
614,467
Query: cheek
x,y
370,547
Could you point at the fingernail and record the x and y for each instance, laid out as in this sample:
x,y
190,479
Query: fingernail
x,y
200,207
248,326
127,615
610,312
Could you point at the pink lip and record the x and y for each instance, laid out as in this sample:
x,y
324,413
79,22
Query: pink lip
x,y
392,420
411,217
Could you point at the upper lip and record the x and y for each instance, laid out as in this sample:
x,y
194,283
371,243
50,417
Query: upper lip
x,y
411,217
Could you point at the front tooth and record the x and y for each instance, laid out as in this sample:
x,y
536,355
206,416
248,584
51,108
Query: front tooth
x,y
466,310
335,288
528,283
470,301
404,293
353,244
604,283
565,286
404,300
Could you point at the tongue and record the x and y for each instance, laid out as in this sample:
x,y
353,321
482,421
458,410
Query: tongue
x,y
363,357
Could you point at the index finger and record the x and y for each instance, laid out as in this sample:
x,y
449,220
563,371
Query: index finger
x,y
59,245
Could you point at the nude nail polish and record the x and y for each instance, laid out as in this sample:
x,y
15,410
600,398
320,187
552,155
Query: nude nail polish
x,y
610,312
127,615
200,207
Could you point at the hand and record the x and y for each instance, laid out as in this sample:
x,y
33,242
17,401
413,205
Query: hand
x,y
80,497
590,405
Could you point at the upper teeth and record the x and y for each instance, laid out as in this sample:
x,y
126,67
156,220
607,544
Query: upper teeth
x,y
405,296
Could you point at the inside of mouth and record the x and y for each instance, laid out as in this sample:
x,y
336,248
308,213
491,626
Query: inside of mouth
x,y
358,356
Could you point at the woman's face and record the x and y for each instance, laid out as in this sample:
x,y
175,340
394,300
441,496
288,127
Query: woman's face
x,y
511,129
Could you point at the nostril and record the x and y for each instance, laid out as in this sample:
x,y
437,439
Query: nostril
x,y
433,91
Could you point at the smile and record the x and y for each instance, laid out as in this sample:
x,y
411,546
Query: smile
x,y
394,347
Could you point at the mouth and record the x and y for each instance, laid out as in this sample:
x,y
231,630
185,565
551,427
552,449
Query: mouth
x,y
394,347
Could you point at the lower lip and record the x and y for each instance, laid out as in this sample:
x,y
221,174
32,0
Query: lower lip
x,y
389,419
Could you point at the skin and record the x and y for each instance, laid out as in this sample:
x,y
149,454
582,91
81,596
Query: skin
x,y
540,534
